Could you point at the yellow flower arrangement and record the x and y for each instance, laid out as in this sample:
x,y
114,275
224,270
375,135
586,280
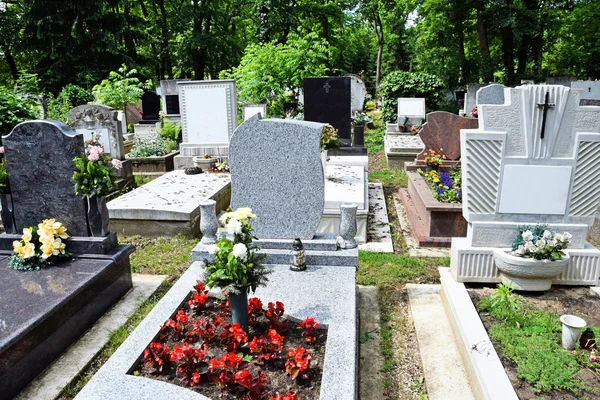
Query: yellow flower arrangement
x,y
38,245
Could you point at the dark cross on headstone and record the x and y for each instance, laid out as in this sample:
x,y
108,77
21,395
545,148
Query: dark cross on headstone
x,y
326,86
545,106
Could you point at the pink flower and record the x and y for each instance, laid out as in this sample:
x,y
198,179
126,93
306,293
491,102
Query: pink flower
x,y
116,163
95,152
1,149
593,358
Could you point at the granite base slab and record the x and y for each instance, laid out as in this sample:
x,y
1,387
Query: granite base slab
x,y
400,149
168,205
75,244
476,264
337,258
43,312
326,293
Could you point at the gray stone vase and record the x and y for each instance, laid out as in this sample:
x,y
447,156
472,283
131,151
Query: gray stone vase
x,y
7,213
208,221
239,308
348,225
97,216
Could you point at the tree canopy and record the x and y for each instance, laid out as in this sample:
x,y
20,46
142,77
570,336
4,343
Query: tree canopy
x,y
459,41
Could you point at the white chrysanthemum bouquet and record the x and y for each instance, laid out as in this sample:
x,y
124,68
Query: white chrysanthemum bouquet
x,y
236,266
39,246
540,243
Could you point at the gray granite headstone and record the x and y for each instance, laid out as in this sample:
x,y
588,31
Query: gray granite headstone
x,y
276,170
490,94
470,102
39,160
102,120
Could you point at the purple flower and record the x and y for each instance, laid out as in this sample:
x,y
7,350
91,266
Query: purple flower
x,y
445,179
440,190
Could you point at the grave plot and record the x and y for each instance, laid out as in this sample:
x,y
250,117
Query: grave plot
x,y
433,198
512,348
44,311
168,205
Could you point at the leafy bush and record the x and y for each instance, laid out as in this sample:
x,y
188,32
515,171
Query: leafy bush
x,y
121,88
76,95
408,84
152,147
14,109
170,130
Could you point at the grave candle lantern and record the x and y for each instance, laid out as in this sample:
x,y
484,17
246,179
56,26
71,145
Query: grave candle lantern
x,y
298,263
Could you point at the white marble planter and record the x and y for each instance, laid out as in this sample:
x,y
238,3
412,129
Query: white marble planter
x,y
527,273
205,163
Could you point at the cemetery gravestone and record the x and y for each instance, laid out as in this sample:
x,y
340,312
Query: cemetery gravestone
x,y
413,108
101,120
442,131
539,141
286,189
39,160
470,97
169,94
358,92
208,119
252,109
150,108
590,95
490,94
327,100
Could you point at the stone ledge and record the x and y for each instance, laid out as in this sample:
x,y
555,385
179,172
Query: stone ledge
x,y
76,244
476,264
486,374
327,293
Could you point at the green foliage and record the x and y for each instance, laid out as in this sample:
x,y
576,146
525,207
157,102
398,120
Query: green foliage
x,y
531,339
121,87
389,178
76,95
388,269
14,109
152,147
408,84
271,71
330,139
34,264
28,84
92,178
170,131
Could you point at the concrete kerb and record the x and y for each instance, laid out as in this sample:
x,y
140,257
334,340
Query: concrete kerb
x,y
486,374
326,293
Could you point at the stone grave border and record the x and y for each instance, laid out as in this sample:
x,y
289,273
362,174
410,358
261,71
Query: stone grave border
x,y
341,352
485,372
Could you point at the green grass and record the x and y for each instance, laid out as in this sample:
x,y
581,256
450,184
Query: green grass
x,y
374,139
531,339
160,256
388,269
387,177
142,180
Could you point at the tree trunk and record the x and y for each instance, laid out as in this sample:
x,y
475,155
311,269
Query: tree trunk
x,y
165,50
508,48
10,61
484,48
196,56
379,32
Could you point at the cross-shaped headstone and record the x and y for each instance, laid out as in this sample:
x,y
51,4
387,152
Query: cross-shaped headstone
x,y
545,106
326,86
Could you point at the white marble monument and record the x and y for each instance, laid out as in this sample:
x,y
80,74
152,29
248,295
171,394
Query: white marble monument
x,y
358,91
208,119
248,110
413,108
533,159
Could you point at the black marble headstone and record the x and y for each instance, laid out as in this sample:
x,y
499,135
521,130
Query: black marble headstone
x,y
327,100
39,160
172,104
150,106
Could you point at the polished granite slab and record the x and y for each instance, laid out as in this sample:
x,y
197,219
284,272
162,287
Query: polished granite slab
x,y
43,312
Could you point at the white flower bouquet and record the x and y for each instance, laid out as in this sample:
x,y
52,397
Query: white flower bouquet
x,y
236,266
540,243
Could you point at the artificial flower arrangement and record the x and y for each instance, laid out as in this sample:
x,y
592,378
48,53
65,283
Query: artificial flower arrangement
x,y
330,139
361,118
540,243
445,186
39,246
433,158
474,112
92,175
236,266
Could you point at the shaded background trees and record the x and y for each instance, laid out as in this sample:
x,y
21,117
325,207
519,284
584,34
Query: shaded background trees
x,y
459,41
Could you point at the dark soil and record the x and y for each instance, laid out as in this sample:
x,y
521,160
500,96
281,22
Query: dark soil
x,y
278,380
559,300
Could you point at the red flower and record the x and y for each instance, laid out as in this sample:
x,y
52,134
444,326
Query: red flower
x,y
182,317
199,287
308,326
287,396
298,361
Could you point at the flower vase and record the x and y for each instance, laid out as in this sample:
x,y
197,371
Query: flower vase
x,y
97,216
7,213
239,307
528,273
435,168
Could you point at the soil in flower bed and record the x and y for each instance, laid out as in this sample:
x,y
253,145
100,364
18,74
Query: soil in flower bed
x,y
200,336
557,301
